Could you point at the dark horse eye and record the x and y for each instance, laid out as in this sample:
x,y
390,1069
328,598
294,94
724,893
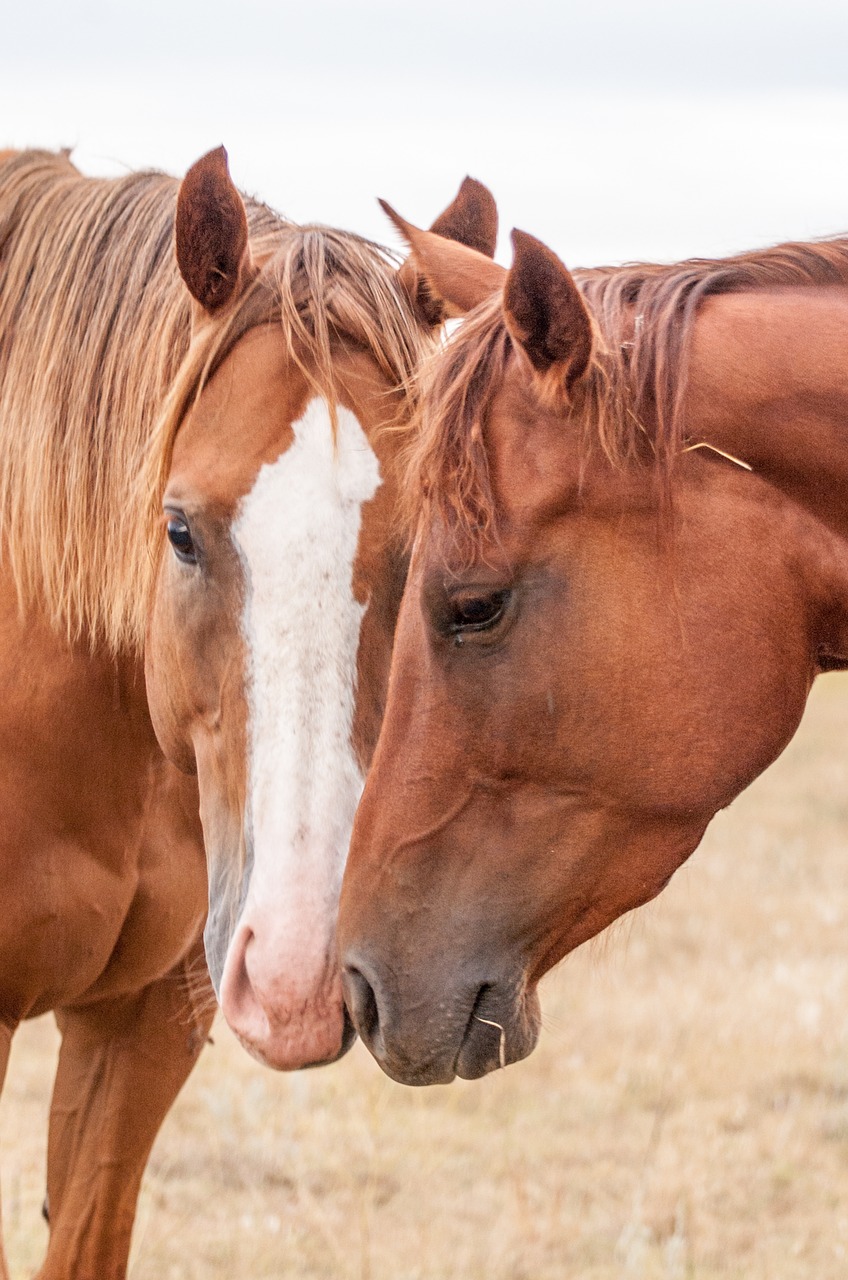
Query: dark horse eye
x,y
476,611
179,536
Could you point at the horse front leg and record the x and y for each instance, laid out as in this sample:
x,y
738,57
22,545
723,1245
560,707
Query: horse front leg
x,y
6,1033
121,1065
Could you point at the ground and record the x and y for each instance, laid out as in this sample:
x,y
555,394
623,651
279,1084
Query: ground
x,y
686,1114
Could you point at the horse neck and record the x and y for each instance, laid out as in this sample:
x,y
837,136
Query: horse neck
x,y
769,385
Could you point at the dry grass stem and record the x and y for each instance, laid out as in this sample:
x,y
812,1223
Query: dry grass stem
x,y
502,1045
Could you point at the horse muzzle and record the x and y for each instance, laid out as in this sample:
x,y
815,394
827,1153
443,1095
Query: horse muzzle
x,y
286,1013
430,1037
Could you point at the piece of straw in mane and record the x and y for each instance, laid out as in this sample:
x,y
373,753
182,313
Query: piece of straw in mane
x,y
97,373
631,404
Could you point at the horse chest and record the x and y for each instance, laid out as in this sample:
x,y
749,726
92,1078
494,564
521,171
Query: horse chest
x,y
168,907
100,854
87,920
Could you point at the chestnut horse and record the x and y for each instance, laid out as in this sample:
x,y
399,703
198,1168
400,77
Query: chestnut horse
x,y
200,579
630,564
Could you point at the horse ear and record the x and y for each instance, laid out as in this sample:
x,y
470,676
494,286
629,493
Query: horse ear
x,y
471,218
545,313
449,269
211,234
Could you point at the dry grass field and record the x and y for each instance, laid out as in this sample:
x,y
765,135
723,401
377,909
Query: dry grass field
x,y
686,1114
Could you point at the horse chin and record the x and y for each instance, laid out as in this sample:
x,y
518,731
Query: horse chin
x,y
348,1041
281,1051
498,1033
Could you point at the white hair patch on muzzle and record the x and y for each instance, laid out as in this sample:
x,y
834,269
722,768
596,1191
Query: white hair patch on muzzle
x,y
297,533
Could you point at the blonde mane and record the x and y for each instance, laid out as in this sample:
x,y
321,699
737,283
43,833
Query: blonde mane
x,y
630,405
97,370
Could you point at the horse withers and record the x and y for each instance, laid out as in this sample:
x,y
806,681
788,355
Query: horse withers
x,y
630,563
200,577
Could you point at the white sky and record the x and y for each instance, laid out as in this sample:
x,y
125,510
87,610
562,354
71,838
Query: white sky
x,y
612,129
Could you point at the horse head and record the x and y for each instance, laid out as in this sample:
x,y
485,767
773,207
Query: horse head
x,y
280,576
607,632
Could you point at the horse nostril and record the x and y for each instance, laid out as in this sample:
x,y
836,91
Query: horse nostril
x,y
362,1003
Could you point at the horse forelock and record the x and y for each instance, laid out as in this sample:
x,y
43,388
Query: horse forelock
x,y
97,370
631,406
320,285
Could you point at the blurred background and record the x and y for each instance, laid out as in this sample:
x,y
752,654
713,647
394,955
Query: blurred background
x,y
613,130
686,1114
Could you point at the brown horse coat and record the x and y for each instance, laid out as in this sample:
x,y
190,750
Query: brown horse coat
x,y
630,563
288,355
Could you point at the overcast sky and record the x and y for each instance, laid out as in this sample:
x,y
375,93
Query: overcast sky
x,y
613,129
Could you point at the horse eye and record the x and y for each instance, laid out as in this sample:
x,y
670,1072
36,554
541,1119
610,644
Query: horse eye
x,y
179,536
475,611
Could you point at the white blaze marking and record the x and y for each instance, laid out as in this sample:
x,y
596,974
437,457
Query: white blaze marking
x,y
298,532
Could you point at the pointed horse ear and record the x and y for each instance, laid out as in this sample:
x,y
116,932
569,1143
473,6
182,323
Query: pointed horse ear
x,y
449,269
211,234
545,312
471,218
